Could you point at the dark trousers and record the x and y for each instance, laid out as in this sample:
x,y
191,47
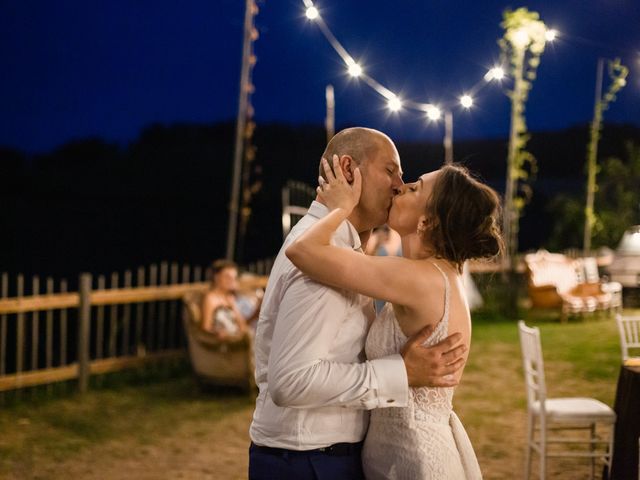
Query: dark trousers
x,y
280,464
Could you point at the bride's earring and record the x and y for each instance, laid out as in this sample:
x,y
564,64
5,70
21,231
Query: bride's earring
x,y
421,230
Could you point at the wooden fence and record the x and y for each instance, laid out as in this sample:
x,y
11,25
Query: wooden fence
x,y
51,335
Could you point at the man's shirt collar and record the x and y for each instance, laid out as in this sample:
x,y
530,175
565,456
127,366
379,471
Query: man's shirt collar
x,y
346,232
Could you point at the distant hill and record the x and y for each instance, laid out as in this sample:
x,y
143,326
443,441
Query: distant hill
x,y
94,206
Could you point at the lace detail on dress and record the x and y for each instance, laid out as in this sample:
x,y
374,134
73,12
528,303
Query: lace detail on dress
x,y
423,440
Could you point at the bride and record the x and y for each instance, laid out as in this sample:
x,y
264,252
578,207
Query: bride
x,y
444,218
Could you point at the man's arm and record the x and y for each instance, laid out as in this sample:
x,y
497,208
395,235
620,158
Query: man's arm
x,y
299,374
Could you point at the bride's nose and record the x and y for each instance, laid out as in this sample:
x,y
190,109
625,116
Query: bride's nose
x,y
399,190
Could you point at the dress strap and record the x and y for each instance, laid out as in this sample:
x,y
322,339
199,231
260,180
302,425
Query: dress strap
x,y
447,295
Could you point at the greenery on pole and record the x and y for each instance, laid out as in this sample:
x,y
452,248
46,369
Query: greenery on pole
x,y
617,75
522,46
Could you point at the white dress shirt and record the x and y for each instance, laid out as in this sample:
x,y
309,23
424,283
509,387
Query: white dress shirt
x,y
315,385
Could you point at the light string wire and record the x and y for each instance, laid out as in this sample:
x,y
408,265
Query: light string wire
x,y
433,111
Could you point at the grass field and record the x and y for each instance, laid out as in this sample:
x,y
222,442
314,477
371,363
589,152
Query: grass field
x,y
169,429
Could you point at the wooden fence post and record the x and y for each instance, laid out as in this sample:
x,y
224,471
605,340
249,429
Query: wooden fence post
x,y
84,331
20,333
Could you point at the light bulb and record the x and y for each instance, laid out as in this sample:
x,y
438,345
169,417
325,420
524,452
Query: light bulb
x,y
498,73
495,73
433,113
394,104
466,101
312,13
355,70
550,35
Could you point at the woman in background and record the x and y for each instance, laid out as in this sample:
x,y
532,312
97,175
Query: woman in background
x,y
220,312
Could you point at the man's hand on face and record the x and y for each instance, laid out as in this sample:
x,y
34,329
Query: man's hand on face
x,y
433,366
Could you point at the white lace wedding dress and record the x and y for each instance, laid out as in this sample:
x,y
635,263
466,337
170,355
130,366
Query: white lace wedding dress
x,y
424,440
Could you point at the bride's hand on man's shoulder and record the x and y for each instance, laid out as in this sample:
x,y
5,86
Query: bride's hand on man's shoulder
x,y
336,191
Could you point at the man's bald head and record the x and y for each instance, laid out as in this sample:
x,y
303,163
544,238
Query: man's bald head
x,y
358,142
375,155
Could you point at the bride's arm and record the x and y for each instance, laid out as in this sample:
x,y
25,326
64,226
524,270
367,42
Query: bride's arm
x,y
394,279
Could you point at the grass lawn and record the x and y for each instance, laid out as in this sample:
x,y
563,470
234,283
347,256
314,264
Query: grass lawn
x,y
169,429
148,430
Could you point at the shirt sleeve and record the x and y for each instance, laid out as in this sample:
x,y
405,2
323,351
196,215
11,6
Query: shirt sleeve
x,y
299,374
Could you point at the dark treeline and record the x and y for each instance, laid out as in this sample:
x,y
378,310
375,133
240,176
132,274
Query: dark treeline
x,y
100,207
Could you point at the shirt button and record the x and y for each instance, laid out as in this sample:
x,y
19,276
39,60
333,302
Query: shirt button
x,y
391,400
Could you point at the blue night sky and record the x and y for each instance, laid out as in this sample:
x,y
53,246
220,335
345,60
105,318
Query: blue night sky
x,y
72,69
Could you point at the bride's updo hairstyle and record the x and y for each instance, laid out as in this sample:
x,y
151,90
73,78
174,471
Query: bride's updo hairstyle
x,y
463,217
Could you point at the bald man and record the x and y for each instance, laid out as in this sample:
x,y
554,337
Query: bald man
x,y
315,385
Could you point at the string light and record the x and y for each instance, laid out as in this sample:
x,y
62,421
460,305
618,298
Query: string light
x,y
312,13
521,40
466,101
495,73
550,35
355,70
433,113
394,104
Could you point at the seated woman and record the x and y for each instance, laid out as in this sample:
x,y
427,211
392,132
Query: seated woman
x,y
220,313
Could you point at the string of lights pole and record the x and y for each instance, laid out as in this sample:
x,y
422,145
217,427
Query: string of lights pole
x,y
433,112
244,150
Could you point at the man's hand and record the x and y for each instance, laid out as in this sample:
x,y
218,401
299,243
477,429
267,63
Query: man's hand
x,y
435,365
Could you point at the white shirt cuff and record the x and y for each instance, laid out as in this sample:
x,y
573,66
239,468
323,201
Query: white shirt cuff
x,y
393,384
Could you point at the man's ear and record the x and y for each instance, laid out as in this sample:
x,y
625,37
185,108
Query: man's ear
x,y
347,165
